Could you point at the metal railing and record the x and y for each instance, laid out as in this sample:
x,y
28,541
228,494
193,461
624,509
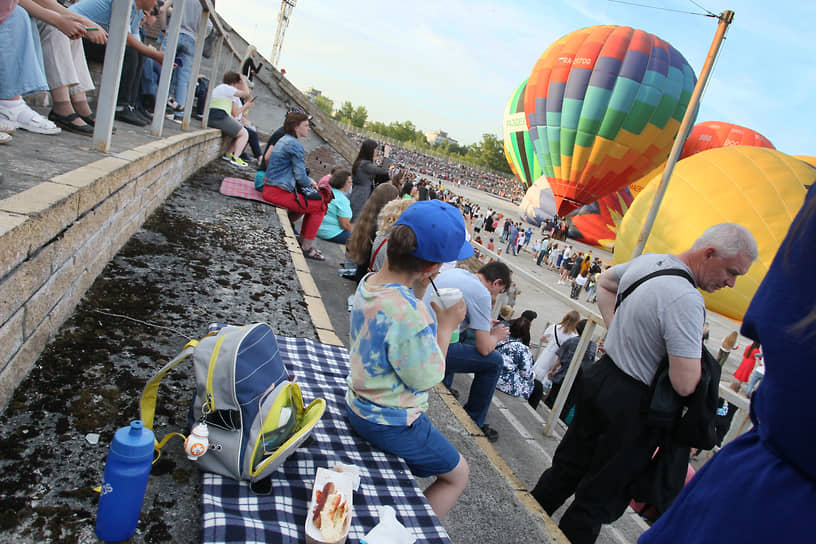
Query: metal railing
x,y
114,55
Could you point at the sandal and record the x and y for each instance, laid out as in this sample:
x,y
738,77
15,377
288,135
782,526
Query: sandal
x,y
66,123
313,253
21,116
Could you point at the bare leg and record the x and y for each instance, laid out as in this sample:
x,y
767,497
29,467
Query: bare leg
x,y
445,491
239,142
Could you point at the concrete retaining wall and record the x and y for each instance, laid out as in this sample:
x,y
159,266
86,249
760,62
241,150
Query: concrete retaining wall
x,y
57,237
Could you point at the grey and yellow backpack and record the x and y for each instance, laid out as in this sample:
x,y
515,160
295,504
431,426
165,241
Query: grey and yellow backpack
x,y
249,415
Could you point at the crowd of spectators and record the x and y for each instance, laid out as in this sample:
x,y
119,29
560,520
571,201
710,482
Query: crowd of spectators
x,y
421,165
52,54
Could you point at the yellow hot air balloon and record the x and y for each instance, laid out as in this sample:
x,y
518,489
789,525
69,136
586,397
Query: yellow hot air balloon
x,y
810,160
759,188
636,187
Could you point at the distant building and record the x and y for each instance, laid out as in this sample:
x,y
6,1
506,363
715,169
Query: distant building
x,y
313,93
438,137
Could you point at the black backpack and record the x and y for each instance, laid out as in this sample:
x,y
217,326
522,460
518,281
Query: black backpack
x,y
691,420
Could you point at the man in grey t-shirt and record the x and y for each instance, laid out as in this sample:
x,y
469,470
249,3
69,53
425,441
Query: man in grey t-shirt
x,y
608,444
477,354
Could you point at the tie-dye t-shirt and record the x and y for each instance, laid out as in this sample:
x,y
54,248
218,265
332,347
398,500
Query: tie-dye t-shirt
x,y
395,359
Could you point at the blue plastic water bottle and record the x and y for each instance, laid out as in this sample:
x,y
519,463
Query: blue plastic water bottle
x,y
126,471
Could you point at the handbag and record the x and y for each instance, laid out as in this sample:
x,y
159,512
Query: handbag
x,y
310,193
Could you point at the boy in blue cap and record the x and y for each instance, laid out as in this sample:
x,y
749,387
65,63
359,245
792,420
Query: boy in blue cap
x,y
398,352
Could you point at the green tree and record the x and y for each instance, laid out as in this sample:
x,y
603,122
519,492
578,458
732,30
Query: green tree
x,y
359,116
489,153
324,104
345,112
378,127
404,132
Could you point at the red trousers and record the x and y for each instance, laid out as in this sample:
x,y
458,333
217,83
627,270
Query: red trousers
x,y
312,210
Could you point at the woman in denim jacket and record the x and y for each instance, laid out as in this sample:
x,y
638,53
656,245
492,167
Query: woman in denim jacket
x,y
285,172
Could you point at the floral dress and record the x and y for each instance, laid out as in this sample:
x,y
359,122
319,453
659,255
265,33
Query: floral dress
x,y
516,376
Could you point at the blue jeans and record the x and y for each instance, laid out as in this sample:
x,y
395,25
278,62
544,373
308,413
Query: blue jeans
x,y
341,238
21,66
151,70
181,75
465,358
753,381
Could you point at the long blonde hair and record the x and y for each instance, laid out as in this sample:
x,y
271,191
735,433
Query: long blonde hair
x,y
569,321
729,341
390,213
359,243
250,50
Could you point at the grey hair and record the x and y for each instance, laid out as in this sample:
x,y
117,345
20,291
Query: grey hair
x,y
729,240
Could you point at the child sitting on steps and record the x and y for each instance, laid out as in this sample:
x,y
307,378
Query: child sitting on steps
x,y
398,352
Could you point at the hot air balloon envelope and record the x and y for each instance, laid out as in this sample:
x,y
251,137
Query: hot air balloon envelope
x,y
518,149
597,223
538,203
712,134
603,105
759,188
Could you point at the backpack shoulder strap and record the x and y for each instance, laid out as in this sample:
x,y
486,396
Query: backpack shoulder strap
x,y
667,272
374,255
147,403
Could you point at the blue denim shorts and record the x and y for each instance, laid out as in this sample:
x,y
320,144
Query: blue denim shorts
x,y
424,448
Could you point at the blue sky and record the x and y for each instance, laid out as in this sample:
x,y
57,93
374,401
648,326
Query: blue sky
x,y
452,64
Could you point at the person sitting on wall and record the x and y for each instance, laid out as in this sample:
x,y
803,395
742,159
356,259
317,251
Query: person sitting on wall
x,y
286,178
21,73
99,11
65,67
223,110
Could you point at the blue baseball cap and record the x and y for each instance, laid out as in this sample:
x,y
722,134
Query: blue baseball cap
x,y
439,229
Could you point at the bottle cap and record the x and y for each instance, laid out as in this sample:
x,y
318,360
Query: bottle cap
x,y
134,442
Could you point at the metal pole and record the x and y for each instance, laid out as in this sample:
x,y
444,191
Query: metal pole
x,y
569,378
214,71
167,67
726,17
111,74
191,83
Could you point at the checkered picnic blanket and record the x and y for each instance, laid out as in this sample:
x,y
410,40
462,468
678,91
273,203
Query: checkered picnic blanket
x,y
232,513
241,188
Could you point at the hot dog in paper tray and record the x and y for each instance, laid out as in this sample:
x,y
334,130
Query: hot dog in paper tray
x,y
331,508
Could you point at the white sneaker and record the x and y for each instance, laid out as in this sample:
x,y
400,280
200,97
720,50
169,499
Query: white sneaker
x,y
4,138
7,126
21,116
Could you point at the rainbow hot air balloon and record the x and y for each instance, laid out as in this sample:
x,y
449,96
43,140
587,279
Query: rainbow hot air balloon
x,y
604,104
597,223
711,134
518,149
759,188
